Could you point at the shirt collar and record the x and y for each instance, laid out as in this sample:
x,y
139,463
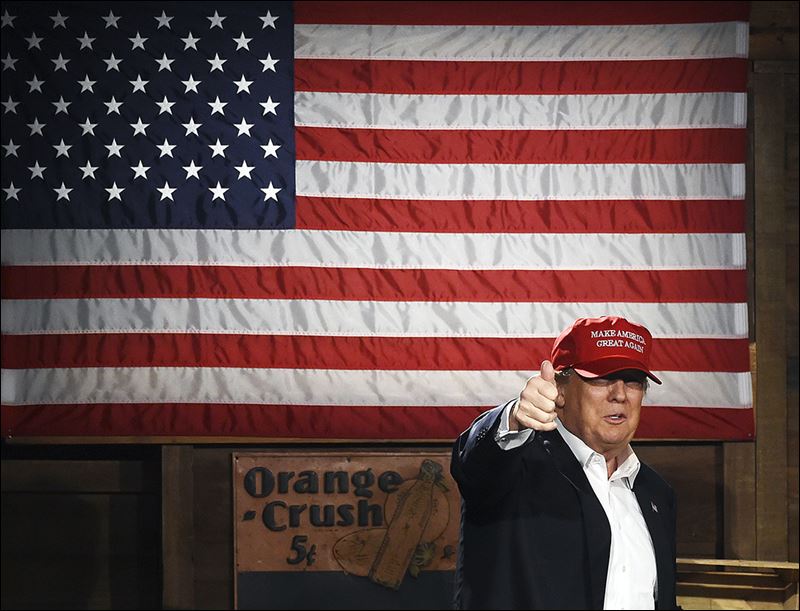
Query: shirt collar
x,y
629,467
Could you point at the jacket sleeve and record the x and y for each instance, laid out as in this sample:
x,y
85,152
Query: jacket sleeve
x,y
483,470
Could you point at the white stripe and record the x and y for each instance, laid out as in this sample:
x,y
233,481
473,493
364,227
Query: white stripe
x,y
323,387
359,318
384,250
521,112
519,43
519,181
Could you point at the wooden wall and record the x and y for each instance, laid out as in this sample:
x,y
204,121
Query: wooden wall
x,y
114,527
81,528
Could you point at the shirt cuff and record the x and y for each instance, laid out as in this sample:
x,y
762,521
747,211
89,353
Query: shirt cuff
x,y
508,439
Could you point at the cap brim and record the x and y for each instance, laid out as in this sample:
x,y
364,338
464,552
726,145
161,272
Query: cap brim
x,y
603,367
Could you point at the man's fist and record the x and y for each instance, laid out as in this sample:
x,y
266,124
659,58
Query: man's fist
x,y
536,408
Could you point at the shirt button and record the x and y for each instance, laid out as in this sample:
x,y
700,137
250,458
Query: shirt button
x,y
624,568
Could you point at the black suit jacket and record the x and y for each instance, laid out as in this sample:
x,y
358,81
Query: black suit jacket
x,y
533,534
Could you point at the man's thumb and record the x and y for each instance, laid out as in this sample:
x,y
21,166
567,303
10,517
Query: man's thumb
x,y
547,371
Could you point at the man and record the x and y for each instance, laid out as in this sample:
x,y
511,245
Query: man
x,y
558,512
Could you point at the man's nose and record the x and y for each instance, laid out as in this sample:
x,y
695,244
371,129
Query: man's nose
x,y
616,390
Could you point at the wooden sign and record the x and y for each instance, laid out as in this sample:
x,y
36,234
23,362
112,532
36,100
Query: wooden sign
x,y
326,530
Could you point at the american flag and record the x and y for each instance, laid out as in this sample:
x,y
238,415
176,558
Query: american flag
x,y
364,220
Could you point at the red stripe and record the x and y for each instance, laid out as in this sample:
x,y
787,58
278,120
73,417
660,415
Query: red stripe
x,y
324,352
514,146
160,281
517,13
512,77
696,423
323,422
644,216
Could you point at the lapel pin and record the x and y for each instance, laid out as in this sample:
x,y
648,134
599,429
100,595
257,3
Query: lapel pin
x,y
653,506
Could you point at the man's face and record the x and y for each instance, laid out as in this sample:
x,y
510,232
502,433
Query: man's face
x,y
603,412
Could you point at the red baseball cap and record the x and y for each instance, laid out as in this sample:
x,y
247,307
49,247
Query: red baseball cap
x,y
596,347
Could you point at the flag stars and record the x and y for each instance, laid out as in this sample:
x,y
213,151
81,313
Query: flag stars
x,y
138,84
35,84
242,42
61,105
59,21
165,106
114,149
244,170
165,63
111,20
270,106
166,149
11,149
36,127
269,21
33,41
163,21
216,63
8,20
86,41
243,127
190,42
88,170
166,192
191,84
87,84
242,85
115,192
61,63
63,192
87,127
139,127
11,191
112,63
218,149
269,63
8,63
192,170
270,192
113,105
138,42
217,106
218,192
270,149
10,106
191,127
140,171
62,149
216,21
37,171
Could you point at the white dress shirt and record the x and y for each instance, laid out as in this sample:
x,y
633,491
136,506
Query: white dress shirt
x,y
631,580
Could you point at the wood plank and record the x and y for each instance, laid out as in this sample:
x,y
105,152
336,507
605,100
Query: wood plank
x,y
213,527
770,299
89,551
739,475
177,526
77,476
773,30
695,473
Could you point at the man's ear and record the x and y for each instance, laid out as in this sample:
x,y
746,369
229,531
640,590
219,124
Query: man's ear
x,y
561,398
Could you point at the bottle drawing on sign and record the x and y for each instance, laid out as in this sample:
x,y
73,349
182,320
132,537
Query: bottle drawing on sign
x,y
405,530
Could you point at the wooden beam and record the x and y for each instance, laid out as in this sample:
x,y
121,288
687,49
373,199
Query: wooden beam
x,y
177,526
770,301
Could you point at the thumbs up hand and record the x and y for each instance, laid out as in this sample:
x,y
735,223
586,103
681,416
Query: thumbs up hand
x,y
536,407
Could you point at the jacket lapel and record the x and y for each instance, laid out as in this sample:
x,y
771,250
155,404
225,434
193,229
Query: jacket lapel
x,y
597,532
655,524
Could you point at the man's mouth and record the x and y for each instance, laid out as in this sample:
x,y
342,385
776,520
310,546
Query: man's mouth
x,y
615,418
